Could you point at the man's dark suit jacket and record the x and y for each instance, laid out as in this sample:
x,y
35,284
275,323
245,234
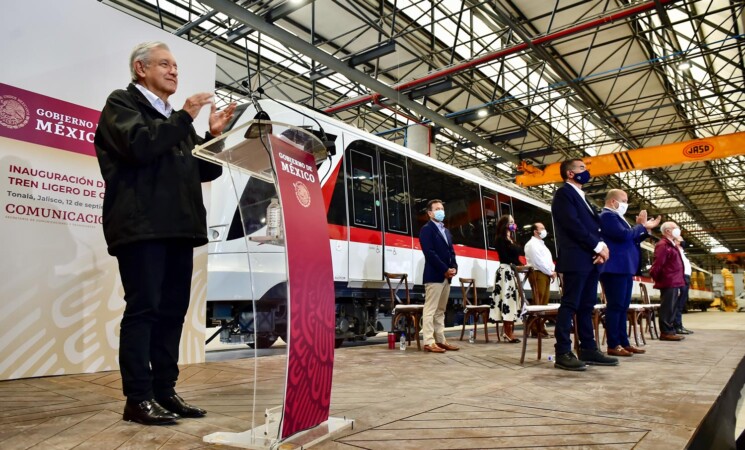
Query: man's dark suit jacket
x,y
623,243
439,255
577,230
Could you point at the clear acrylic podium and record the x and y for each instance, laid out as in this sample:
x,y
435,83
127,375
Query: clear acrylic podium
x,y
297,416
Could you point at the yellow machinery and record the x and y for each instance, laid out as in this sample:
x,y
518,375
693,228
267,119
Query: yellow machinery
x,y
694,281
728,296
642,158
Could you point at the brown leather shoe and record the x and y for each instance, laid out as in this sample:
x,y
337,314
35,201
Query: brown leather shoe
x,y
433,348
633,349
619,351
670,337
446,346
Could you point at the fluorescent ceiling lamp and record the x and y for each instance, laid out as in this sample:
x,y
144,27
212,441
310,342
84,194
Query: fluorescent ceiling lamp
x,y
684,65
720,249
376,52
483,113
432,89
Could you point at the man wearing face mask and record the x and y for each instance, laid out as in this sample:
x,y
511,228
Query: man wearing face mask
x,y
581,249
439,269
667,272
683,298
539,256
617,275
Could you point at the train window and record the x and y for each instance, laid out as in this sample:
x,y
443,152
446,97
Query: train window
x,y
396,197
491,216
254,201
337,213
495,206
363,187
526,215
504,208
462,203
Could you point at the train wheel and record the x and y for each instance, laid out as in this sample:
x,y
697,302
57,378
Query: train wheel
x,y
338,342
263,342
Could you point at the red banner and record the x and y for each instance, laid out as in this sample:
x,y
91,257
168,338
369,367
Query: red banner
x,y
31,117
310,358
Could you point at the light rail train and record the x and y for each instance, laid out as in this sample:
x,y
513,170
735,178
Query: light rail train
x,y
376,194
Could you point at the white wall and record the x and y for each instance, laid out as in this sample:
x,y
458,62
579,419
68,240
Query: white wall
x,y
61,300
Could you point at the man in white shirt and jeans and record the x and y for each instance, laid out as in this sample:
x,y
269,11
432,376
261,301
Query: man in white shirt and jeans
x,y
539,256
683,297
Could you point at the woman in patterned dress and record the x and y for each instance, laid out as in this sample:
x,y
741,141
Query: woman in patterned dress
x,y
504,297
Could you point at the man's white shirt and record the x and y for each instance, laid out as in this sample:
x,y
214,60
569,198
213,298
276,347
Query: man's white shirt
x,y
164,108
686,264
539,256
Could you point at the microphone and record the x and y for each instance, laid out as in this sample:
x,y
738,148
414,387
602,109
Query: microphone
x,y
320,134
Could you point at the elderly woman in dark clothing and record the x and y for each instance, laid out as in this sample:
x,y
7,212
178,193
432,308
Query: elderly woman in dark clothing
x,y
504,297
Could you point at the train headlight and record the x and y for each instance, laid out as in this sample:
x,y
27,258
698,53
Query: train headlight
x,y
214,234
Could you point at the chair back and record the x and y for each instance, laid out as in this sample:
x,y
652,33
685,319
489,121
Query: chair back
x,y
403,280
468,285
644,294
603,298
521,274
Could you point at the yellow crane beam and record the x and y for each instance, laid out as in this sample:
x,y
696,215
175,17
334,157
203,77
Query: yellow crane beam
x,y
642,158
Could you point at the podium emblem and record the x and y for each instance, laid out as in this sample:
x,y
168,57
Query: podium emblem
x,y
302,193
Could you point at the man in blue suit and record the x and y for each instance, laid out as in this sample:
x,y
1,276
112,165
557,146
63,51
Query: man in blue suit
x,y
439,269
617,275
581,249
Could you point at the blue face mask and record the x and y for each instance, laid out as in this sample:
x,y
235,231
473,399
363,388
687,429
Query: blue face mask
x,y
439,215
582,177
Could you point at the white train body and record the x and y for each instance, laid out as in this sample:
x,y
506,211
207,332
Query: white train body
x,y
375,193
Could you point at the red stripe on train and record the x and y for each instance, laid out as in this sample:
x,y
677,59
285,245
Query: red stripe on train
x,y
368,236
327,188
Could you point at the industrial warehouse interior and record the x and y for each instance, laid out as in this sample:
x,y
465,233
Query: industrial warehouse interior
x,y
335,129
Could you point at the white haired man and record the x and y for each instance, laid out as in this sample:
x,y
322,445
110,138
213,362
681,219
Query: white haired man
x,y
667,272
153,217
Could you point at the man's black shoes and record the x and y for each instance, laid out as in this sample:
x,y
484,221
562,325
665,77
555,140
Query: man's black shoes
x,y
597,358
683,330
177,405
568,361
148,412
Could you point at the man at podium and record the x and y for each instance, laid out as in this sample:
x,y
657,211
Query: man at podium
x,y
153,217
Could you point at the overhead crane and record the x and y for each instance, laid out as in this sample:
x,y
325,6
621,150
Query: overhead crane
x,y
642,158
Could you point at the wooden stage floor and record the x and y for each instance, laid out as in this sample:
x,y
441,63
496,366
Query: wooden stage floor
x,y
479,397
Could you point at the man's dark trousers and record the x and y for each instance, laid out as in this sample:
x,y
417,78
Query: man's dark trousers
x,y
156,276
580,295
668,302
617,287
681,303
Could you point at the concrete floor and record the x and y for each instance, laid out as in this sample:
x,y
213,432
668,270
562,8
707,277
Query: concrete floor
x,y
479,397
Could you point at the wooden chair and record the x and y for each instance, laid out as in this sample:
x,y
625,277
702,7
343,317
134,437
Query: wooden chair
x,y
411,315
474,310
598,316
634,316
651,313
575,328
531,314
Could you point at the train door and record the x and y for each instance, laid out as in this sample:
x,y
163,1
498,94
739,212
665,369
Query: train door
x,y
397,235
364,206
495,206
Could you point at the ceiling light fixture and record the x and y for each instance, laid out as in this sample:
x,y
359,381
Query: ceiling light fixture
x,y
684,65
483,113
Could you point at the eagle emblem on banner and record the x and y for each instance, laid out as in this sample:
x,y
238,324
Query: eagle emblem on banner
x,y
302,193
